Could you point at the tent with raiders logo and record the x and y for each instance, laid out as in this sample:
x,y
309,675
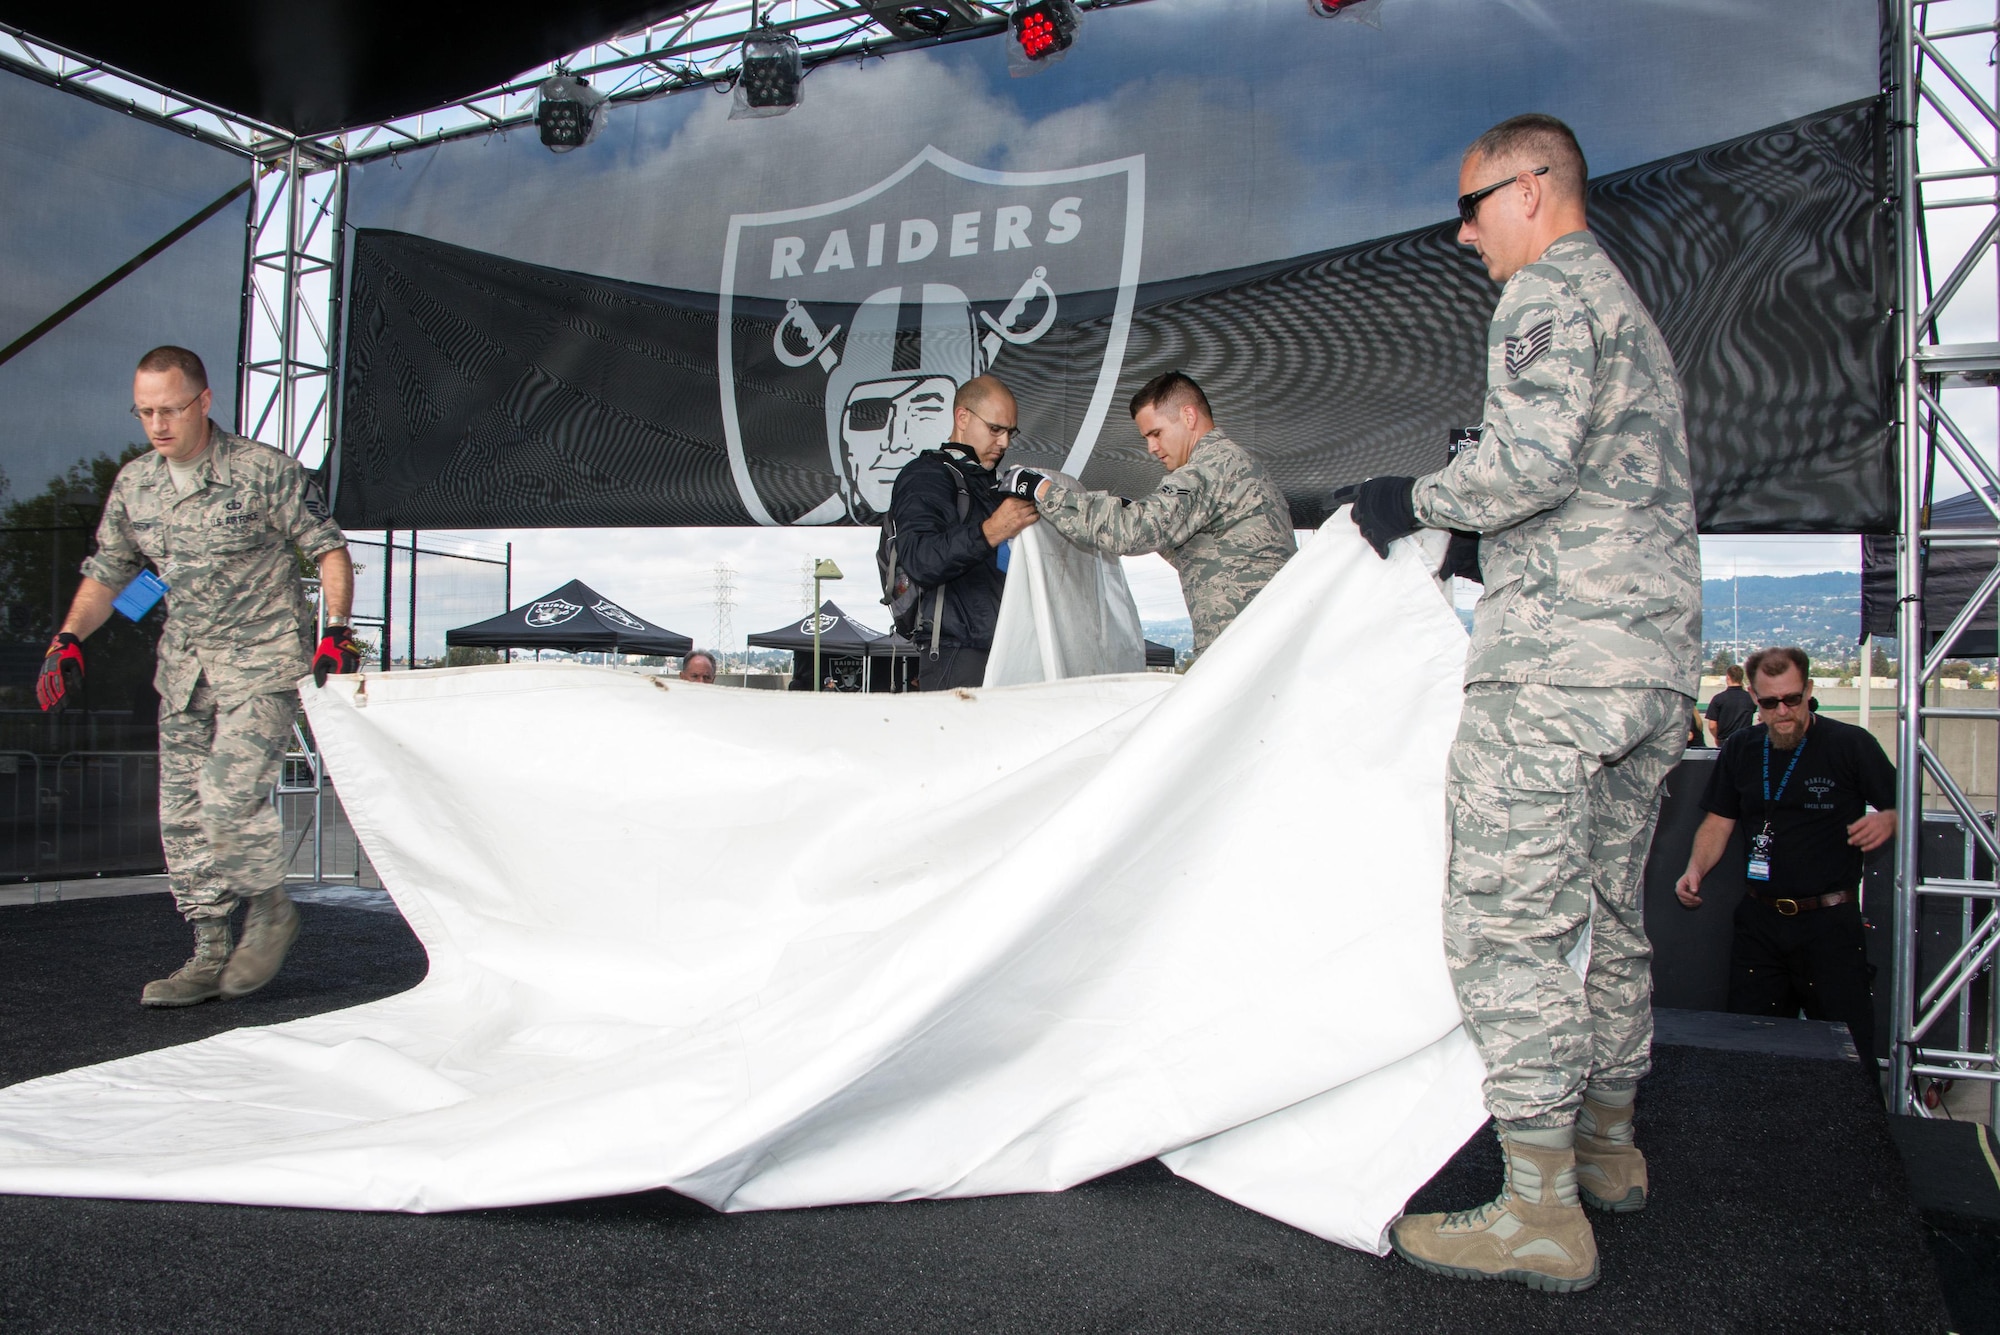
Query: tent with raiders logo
x,y
843,645
575,618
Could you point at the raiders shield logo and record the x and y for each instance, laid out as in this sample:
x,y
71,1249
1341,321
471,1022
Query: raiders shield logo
x,y
611,611
551,612
878,306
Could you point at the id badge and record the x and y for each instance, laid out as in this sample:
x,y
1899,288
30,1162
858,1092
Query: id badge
x,y
1759,868
140,596
1461,439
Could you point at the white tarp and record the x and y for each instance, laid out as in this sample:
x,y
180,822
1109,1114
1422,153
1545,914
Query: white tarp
x,y
1071,613
776,949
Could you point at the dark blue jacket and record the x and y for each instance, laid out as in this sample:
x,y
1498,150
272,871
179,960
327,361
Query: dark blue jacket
x,y
937,548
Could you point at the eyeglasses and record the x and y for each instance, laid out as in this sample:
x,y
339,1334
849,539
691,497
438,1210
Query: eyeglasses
x,y
1468,205
1008,431
165,414
1792,701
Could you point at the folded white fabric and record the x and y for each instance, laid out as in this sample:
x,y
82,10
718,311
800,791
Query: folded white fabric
x,y
783,950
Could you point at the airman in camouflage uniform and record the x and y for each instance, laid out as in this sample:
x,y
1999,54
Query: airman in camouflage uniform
x,y
219,518
1217,517
1582,670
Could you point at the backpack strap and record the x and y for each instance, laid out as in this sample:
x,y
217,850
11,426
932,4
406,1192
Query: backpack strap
x,y
937,608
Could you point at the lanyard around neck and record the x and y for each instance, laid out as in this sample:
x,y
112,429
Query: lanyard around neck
x,y
1770,798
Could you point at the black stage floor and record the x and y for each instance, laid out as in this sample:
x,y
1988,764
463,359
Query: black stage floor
x,y
1780,1205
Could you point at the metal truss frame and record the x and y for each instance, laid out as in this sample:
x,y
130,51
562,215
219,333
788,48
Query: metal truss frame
x,y
1947,220
292,295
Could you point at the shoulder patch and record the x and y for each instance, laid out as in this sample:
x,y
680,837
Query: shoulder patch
x,y
315,499
1523,349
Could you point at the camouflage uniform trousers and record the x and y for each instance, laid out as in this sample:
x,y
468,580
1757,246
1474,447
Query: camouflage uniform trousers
x,y
217,765
1553,794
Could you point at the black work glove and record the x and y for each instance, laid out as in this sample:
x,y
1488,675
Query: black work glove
x,y
337,652
1384,512
1022,482
1461,557
62,674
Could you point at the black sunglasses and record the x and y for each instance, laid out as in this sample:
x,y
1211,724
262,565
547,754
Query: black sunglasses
x,y
1792,701
1468,205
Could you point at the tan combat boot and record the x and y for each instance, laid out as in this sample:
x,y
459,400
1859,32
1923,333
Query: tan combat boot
x,y
268,932
200,978
1610,1171
1533,1233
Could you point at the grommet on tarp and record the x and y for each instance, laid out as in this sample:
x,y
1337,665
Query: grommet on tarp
x,y
360,692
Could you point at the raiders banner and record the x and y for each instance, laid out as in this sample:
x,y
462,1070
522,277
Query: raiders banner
x,y
482,392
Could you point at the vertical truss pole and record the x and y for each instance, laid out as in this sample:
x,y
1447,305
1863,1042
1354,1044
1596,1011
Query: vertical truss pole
x,y
1931,1009
1909,562
291,304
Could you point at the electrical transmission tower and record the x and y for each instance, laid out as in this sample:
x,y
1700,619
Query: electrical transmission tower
x,y
806,607
725,603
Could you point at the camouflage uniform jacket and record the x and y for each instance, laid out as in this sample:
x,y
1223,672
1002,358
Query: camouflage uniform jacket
x,y
235,607
1218,519
1578,488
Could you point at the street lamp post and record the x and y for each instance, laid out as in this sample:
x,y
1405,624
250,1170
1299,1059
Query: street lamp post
x,y
822,569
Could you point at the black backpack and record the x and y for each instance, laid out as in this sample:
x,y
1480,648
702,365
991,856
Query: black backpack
x,y
900,594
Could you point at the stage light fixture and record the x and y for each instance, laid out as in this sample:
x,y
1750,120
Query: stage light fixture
x,y
933,18
1044,28
566,112
768,83
1353,9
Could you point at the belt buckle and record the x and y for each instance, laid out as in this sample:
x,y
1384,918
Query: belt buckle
x,y
1787,908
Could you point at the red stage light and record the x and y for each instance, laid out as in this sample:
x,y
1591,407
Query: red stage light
x,y
1045,27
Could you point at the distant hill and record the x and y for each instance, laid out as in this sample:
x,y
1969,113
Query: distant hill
x,y
1177,635
1820,613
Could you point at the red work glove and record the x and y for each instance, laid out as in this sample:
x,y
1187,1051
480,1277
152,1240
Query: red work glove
x,y
62,673
337,652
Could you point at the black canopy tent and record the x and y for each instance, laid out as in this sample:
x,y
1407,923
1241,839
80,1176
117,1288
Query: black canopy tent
x,y
575,618
1951,576
845,645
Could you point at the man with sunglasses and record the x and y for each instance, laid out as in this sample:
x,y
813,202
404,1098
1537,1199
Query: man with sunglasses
x,y
1579,687
1800,786
1217,517
950,519
222,521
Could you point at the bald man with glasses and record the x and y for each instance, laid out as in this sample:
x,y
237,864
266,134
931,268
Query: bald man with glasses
x,y
950,523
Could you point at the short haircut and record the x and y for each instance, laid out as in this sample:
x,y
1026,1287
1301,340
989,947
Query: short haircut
x,y
167,357
1545,139
687,659
1168,391
1773,662
1734,673
977,392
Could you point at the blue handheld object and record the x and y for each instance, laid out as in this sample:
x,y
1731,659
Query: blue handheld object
x,y
1002,554
141,596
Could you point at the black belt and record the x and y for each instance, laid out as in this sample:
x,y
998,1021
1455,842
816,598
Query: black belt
x,y
1792,907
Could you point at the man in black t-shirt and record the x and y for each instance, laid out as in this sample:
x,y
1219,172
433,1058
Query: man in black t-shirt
x,y
1801,785
1732,710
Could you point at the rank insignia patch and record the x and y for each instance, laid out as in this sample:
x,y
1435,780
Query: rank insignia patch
x,y
1522,349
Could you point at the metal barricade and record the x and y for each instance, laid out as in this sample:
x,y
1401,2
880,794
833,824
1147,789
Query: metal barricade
x,y
24,850
104,810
